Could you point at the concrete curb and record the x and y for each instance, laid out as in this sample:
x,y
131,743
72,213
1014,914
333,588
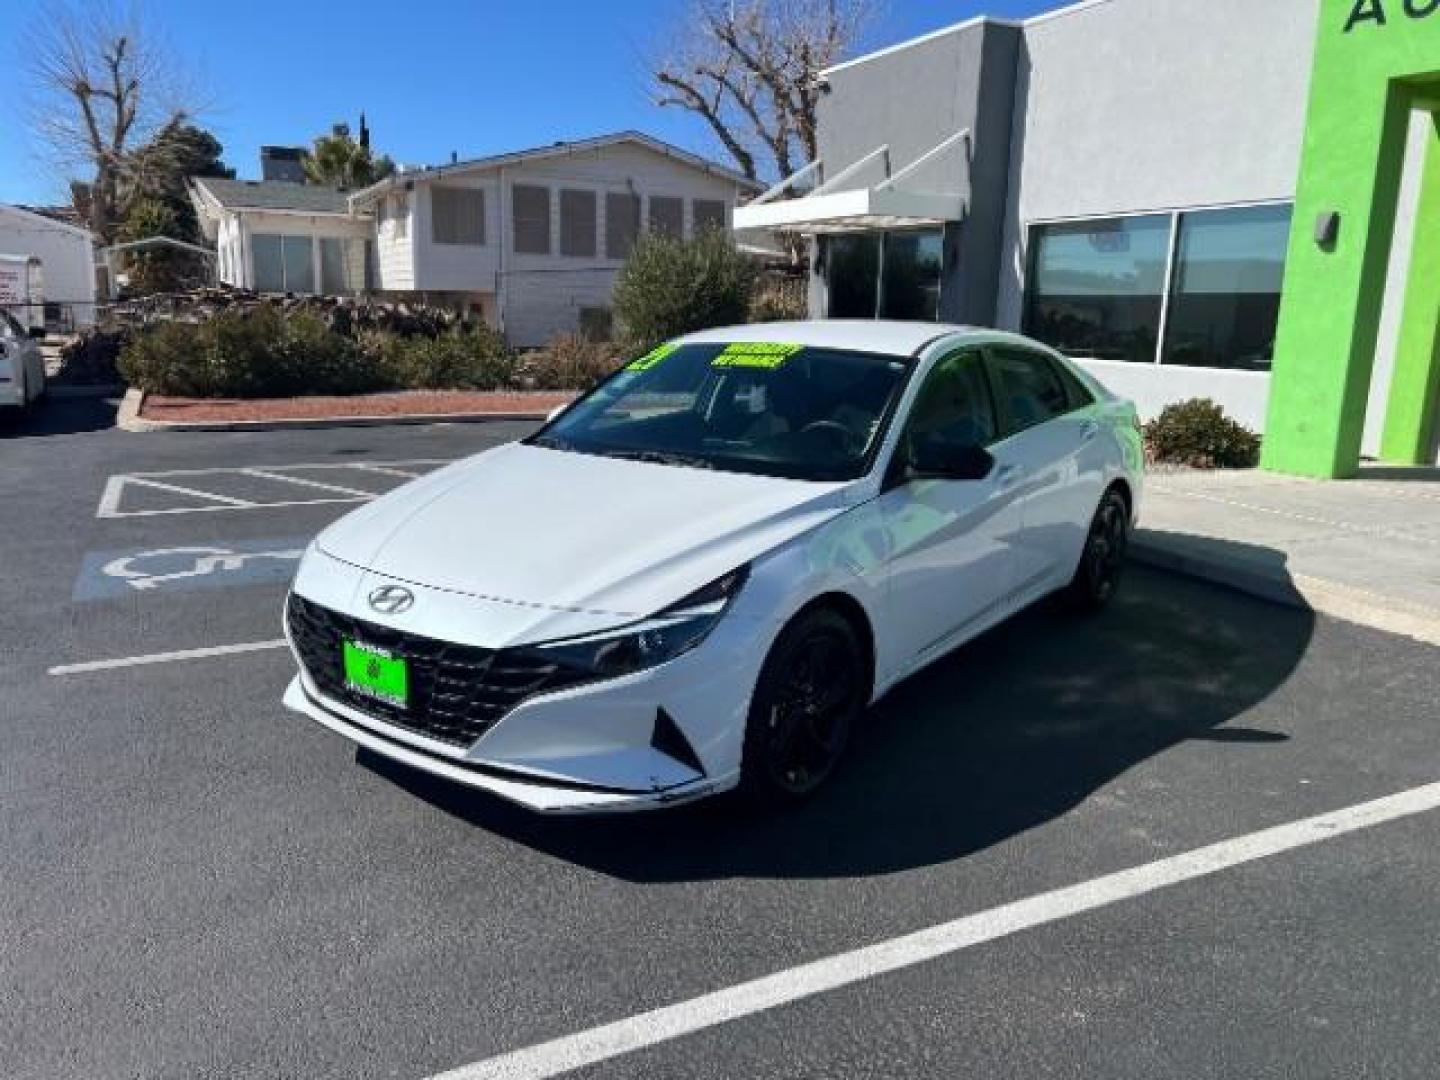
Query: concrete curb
x,y
1386,613
129,419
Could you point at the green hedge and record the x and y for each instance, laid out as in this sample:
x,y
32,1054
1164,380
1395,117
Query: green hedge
x,y
264,353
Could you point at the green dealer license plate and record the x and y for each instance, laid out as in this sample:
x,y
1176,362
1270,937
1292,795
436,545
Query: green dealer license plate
x,y
377,674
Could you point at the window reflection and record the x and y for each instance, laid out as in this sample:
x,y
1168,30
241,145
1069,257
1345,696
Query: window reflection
x,y
1226,298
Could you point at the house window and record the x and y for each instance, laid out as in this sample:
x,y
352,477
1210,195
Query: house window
x,y
457,215
622,223
283,263
667,215
1098,289
577,223
709,214
400,217
530,214
342,266
1225,303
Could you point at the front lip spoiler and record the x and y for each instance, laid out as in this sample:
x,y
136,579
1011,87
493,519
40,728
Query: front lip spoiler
x,y
544,795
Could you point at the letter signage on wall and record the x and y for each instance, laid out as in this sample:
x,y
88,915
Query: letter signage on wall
x,y
1372,12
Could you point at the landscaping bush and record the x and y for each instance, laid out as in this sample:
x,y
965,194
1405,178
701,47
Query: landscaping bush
x,y
570,362
475,359
1198,434
670,286
255,353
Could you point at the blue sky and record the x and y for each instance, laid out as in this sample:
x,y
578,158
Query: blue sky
x,y
472,76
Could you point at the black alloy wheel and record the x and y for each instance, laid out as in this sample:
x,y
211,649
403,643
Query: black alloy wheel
x,y
810,694
1103,562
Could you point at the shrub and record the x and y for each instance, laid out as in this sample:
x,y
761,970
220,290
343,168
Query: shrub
x,y
671,286
256,353
474,359
779,299
570,362
1198,434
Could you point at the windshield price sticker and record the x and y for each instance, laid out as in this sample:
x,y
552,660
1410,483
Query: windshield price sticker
x,y
650,359
755,354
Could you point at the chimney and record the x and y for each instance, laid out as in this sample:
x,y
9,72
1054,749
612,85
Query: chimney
x,y
282,164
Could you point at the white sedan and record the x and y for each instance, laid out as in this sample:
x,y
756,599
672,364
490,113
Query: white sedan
x,y
22,368
699,575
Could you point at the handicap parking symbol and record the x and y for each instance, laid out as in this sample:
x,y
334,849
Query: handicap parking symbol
x,y
109,575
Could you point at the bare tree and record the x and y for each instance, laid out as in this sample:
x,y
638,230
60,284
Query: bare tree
x,y
750,69
102,86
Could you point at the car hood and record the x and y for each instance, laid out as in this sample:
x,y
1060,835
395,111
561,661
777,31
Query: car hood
x,y
576,532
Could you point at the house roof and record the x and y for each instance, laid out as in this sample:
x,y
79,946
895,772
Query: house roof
x,y
556,149
262,195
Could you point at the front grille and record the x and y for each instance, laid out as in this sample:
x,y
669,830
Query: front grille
x,y
456,692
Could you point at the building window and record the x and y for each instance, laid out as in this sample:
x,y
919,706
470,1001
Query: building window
x,y
667,215
342,266
283,263
1097,287
577,223
1225,302
530,219
709,214
622,224
892,275
457,215
400,217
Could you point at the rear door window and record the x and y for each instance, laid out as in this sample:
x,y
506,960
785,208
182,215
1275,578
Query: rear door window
x,y
1028,388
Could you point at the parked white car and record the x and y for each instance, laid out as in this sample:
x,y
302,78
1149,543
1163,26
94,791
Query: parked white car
x,y
22,368
699,575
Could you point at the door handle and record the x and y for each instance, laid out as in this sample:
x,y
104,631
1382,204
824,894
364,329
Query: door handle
x,y
1089,431
1008,476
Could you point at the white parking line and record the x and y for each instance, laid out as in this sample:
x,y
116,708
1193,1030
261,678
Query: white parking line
x,y
176,489
167,657
192,486
746,999
303,482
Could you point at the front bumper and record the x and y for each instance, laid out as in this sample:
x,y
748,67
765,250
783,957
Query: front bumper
x,y
535,793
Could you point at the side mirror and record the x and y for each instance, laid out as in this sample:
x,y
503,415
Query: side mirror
x,y
936,460
38,333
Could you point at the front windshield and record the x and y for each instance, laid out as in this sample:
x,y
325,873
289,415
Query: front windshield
x,y
773,409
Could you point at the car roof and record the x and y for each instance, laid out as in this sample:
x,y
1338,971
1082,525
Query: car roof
x,y
861,335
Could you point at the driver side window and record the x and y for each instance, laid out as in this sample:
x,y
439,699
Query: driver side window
x,y
953,408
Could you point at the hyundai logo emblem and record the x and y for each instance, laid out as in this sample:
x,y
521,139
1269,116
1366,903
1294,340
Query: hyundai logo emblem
x,y
392,600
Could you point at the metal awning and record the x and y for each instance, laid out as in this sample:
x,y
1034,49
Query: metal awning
x,y
832,207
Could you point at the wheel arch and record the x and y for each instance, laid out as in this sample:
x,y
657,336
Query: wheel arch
x,y
853,611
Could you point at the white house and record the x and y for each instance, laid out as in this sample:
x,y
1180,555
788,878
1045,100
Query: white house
x,y
530,240
284,238
67,261
533,239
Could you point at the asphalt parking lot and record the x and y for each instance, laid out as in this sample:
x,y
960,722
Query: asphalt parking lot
x,y
196,883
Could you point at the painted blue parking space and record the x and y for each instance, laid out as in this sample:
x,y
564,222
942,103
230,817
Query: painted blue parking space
x,y
158,570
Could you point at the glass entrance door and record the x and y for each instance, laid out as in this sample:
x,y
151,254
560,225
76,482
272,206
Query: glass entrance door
x,y
895,275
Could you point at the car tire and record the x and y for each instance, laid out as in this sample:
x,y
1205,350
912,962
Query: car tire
x,y
810,694
1102,562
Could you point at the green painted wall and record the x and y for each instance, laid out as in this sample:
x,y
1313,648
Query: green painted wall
x,y
1372,59
1410,418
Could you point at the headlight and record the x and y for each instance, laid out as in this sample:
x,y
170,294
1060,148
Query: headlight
x,y
664,636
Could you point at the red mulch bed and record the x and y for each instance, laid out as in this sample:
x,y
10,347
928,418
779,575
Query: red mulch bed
x,y
407,403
